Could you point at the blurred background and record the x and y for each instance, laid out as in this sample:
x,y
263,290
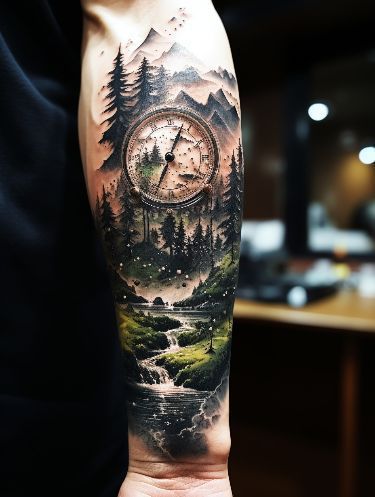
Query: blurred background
x,y
303,374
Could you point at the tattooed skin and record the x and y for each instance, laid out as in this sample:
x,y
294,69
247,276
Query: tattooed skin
x,y
168,205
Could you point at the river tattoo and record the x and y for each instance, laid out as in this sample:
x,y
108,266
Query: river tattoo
x,y
168,205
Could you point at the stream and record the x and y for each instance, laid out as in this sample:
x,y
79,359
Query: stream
x,y
163,414
158,374
152,373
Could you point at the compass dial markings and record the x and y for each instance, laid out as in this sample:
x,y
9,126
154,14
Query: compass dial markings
x,y
195,157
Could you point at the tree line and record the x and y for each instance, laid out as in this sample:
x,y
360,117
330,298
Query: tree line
x,y
126,100
186,252
194,249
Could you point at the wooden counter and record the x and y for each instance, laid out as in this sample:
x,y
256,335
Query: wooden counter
x,y
347,313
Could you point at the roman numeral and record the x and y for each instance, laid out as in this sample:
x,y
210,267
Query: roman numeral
x,y
153,126
170,122
205,157
198,143
153,189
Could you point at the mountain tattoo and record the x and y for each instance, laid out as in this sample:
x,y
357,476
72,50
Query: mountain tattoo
x,y
168,205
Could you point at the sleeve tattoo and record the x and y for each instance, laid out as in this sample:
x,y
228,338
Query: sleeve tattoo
x,y
168,206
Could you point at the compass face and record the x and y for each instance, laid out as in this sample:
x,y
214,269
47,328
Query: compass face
x,y
170,156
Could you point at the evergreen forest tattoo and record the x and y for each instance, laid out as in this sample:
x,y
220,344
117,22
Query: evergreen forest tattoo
x,y
169,208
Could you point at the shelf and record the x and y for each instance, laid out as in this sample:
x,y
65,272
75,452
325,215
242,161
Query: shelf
x,y
346,311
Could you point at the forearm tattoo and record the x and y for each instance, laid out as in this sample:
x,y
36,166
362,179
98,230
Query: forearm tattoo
x,y
168,205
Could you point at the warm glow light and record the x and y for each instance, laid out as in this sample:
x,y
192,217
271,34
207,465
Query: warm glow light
x,y
318,112
367,155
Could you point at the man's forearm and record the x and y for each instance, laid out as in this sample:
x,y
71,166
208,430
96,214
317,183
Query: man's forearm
x,y
161,142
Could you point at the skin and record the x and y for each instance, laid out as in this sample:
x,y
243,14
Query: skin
x,y
154,184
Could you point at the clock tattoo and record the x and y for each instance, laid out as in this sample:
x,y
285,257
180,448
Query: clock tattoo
x,y
170,156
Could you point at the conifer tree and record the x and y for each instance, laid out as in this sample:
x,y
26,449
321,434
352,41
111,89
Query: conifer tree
x,y
208,242
146,224
199,248
199,240
143,87
98,212
167,231
161,85
189,253
232,207
240,157
154,236
108,222
218,245
221,186
217,206
180,246
121,185
127,222
145,158
156,157
240,169
119,111
207,236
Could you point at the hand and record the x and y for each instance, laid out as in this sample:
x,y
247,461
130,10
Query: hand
x,y
163,173
176,138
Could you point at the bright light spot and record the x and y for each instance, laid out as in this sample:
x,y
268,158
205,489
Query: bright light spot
x,y
367,155
318,112
297,296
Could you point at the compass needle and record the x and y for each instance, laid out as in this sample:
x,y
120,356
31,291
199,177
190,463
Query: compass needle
x,y
177,138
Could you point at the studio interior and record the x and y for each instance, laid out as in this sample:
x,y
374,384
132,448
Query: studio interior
x,y
303,361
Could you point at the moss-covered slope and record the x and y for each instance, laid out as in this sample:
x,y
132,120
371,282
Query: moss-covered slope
x,y
194,366
217,289
141,336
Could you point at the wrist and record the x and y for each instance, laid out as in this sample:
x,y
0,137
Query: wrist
x,y
169,479
177,471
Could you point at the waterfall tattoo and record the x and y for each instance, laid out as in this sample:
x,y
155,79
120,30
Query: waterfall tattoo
x,y
168,205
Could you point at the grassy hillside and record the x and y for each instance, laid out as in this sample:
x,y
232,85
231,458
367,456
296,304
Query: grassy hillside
x,y
217,289
141,336
195,367
123,292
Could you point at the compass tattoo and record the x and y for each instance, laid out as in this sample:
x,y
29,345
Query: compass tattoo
x,y
168,205
188,159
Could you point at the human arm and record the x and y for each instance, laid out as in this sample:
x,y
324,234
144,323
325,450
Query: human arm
x,y
160,141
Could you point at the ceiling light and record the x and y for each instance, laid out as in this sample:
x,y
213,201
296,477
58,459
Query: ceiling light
x,y
318,111
367,155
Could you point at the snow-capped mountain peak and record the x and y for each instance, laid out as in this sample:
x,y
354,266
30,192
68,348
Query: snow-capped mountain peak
x,y
187,75
177,57
222,76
